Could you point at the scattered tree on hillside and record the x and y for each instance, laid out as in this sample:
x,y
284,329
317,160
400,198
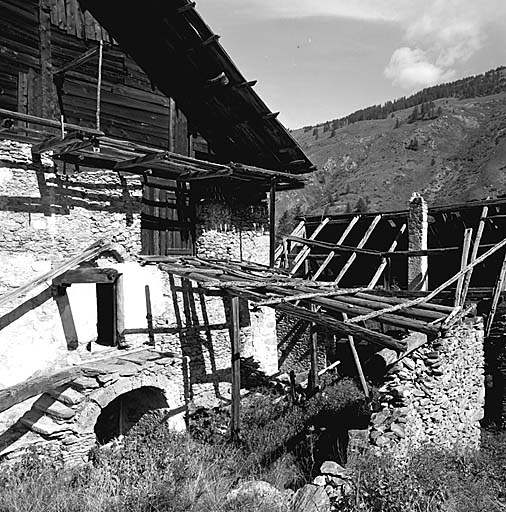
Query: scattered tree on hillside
x,y
414,116
361,206
412,144
397,123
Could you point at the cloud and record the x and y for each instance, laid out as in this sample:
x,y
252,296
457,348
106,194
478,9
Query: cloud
x,y
410,69
440,36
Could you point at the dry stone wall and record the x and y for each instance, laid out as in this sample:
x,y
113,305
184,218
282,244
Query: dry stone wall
x,y
435,395
232,227
62,422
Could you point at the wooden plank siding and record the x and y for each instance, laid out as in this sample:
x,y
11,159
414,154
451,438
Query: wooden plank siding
x,y
131,108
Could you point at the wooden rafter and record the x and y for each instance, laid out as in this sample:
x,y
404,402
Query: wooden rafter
x,y
341,240
301,257
360,245
383,265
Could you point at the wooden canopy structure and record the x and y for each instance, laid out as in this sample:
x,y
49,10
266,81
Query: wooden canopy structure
x,y
350,313
91,148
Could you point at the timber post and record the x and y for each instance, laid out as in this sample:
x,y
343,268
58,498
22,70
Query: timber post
x,y
235,424
272,223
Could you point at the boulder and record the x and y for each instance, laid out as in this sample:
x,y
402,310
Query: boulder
x,y
311,498
330,467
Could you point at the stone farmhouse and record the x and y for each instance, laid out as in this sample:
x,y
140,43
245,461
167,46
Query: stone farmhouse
x,y
138,176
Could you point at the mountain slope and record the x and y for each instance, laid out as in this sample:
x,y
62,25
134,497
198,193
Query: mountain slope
x,y
457,155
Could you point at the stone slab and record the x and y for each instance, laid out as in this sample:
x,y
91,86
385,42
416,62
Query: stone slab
x,y
84,383
54,407
43,425
68,396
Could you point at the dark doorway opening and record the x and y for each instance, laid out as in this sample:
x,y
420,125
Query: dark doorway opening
x,y
107,317
126,410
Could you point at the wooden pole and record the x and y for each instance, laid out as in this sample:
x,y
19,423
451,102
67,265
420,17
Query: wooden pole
x,y
304,253
149,315
474,253
360,371
99,81
468,233
499,287
272,223
313,372
236,370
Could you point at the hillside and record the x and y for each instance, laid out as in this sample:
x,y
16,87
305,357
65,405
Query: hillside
x,y
458,153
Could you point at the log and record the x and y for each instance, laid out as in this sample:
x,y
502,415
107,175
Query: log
x,y
301,257
360,245
352,309
341,327
358,364
87,275
33,387
499,287
384,263
91,252
395,300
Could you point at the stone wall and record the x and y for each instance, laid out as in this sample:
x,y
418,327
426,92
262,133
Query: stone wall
x,y
233,227
435,395
294,345
48,216
63,422
45,218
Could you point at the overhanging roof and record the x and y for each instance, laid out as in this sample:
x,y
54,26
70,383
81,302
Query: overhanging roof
x,y
182,56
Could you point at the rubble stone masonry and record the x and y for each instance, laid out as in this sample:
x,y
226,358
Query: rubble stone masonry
x,y
435,395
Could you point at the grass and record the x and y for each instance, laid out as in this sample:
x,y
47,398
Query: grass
x,y
433,480
157,470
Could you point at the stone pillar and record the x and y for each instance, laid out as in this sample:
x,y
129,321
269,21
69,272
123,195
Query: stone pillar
x,y
417,231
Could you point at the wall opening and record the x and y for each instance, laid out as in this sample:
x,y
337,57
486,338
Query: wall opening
x,y
126,410
106,314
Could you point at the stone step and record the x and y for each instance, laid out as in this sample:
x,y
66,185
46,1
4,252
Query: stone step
x,y
67,395
53,407
43,425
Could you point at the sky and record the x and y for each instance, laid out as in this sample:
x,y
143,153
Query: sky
x,y
317,60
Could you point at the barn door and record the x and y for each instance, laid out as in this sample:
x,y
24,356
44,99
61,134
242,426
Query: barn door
x,y
167,219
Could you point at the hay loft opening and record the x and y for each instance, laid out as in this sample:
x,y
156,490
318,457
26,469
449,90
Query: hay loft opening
x,y
126,410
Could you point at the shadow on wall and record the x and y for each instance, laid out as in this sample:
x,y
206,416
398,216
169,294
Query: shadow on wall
x,y
62,302
60,193
208,345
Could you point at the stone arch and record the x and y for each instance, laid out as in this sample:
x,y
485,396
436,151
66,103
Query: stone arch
x,y
159,386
